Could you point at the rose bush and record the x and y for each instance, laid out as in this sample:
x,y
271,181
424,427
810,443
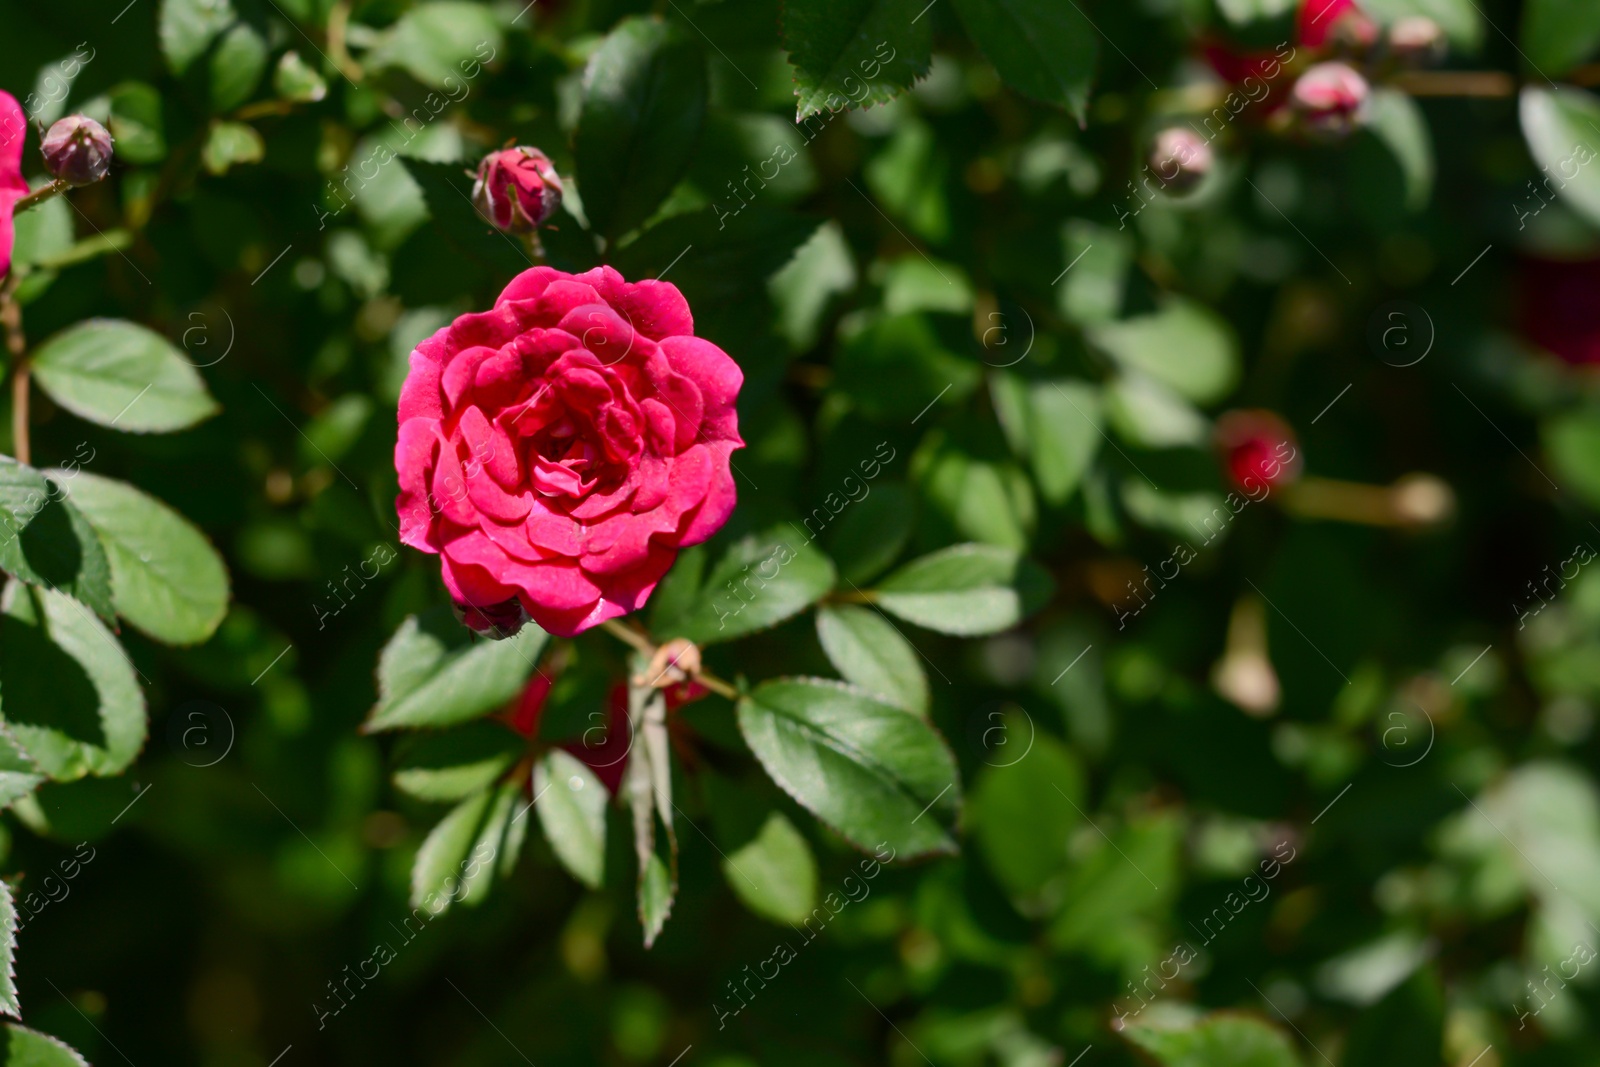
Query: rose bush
x,y
557,450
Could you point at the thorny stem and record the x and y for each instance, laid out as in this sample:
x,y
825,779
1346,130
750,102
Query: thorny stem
x,y
637,640
11,320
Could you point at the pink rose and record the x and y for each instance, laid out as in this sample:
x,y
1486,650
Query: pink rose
x,y
557,451
13,186
517,189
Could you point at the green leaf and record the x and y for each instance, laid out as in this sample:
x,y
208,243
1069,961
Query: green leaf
x,y
657,891
1557,35
1054,424
432,673
871,533
19,774
236,67
43,234
445,866
649,789
166,579
30,1048
136,125
854,52
187,27
1218,1040
966,590
122,375
1572,440
1184,346
8,954
46,541
296,80
759,582
1562,127
644,103
1461,20
875,774
454,764
1244,12
1145,413
868,650
894,366
775,874
1397,121
231,144
441,44
1406,1027
571,802
1042,48
1095,282
67,689
1021,809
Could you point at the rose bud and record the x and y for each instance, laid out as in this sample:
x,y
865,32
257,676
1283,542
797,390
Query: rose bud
x,y
77,150
517,189
1181,158
1259,450
1330,99
1416,41
1336,24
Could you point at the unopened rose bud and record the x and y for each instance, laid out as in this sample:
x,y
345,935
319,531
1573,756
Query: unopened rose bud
x,y
1353,33
1330,99
517,189
497,621
1181,158
1416,41
77,150
1258,450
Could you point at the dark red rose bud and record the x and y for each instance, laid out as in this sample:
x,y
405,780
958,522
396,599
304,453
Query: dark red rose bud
x,y
1330,99
1180,157
517,189
497,621
524,716
1416,41
1258,450
77,150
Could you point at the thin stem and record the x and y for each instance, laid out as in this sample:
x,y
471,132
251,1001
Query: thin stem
x,y
338,23
17,346
1469,83
638,641
39,196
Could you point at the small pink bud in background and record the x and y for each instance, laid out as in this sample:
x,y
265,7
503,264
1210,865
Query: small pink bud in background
x,y
77,150
1181,158
1330,98
1259,451
517,189
1416,41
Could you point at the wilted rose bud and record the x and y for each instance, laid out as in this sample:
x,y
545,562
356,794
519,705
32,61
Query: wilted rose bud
x,y
77,150
1258,450
517,189
497,621
1180,158
1416,41
1330,99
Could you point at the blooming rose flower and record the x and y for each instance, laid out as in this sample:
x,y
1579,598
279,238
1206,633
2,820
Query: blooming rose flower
x,y
13,186
557,451
517,189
